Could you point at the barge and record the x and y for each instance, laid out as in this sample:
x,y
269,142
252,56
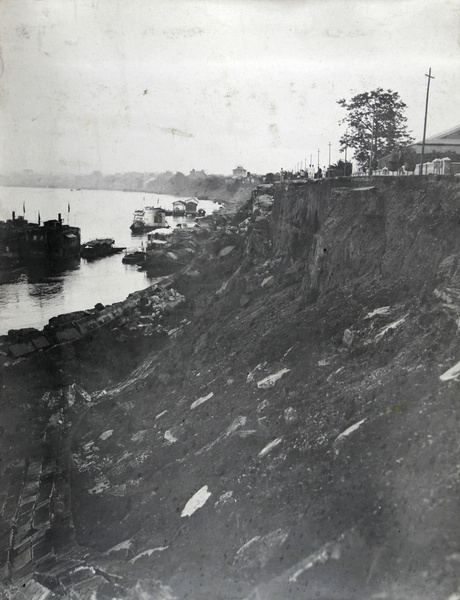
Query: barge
x,y
134,257
99,248
21,241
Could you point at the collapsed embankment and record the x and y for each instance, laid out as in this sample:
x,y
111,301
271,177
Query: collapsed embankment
x,y
387,233
296,436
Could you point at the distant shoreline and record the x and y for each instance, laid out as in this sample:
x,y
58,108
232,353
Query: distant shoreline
x,y
218,188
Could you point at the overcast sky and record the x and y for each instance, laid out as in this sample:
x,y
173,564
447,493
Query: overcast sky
x,y
154,85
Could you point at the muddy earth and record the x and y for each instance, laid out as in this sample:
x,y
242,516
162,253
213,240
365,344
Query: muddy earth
x,y
285,426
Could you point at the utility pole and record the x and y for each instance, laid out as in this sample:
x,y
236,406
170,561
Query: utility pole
x,y
318,158
345,167
329,156
372,139
424,124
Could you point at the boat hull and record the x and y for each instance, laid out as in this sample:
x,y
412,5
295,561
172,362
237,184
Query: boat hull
x,y
135,258
99,248
143,228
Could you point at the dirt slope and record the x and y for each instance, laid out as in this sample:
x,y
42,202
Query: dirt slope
x,y
296,433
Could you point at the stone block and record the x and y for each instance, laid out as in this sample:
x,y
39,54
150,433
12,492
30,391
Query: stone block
x,y
42,549
42,516
40,342
33,590
87,326
21,559
34,469
77,577
67,335
23,533
22,349
30,491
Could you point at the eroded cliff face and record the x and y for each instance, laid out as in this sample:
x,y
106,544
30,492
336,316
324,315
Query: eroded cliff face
x,y
294,432
387,233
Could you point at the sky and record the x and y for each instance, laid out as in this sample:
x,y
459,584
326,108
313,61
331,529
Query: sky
x,y
156,85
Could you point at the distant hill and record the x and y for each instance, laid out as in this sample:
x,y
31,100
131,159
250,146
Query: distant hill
x,y
96,180
209,187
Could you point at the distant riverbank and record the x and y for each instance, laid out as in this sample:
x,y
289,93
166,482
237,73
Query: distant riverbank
x,y
222,188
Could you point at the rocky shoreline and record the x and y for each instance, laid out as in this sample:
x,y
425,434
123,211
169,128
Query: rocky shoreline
x,y
290,432
141,310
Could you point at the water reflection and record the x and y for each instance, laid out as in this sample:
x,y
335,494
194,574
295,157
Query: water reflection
x,y
41,272
38,272
45,289
31,294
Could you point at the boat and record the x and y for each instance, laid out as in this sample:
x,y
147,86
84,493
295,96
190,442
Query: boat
x,y
185,208
190,207
134,257
100,247
148,219
178,208
52,241
138,220
158,239
160,234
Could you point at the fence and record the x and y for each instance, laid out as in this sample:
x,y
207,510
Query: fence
x,y
439,166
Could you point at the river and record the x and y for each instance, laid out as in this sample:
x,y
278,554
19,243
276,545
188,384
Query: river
x,y
30,296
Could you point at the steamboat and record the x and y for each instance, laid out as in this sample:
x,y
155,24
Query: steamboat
x,y
147,219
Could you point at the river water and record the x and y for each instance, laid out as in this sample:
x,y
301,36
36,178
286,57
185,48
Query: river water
x,y
30,296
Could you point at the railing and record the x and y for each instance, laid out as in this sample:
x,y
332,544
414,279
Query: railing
x,y
438,166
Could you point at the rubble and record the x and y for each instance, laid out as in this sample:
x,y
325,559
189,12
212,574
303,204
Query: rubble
x,y
304,445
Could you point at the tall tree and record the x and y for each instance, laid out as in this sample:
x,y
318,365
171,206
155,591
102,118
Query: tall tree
x,y
375,125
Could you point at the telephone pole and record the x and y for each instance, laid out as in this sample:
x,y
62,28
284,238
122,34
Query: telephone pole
x,y
345,166
424,124
372,140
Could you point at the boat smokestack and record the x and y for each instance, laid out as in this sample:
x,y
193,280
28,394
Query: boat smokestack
x,y
14,215
59,218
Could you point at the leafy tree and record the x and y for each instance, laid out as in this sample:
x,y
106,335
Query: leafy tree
x,y
338,170
269,178
376,124
395,160
410,159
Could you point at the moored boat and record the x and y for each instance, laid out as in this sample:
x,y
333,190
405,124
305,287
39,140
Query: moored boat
x,y
178,208
52,241
134,257
100,247
148,219
191,207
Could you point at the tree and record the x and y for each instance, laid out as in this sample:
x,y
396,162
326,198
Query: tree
x,y
376,125
338,170
395,160
410,159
